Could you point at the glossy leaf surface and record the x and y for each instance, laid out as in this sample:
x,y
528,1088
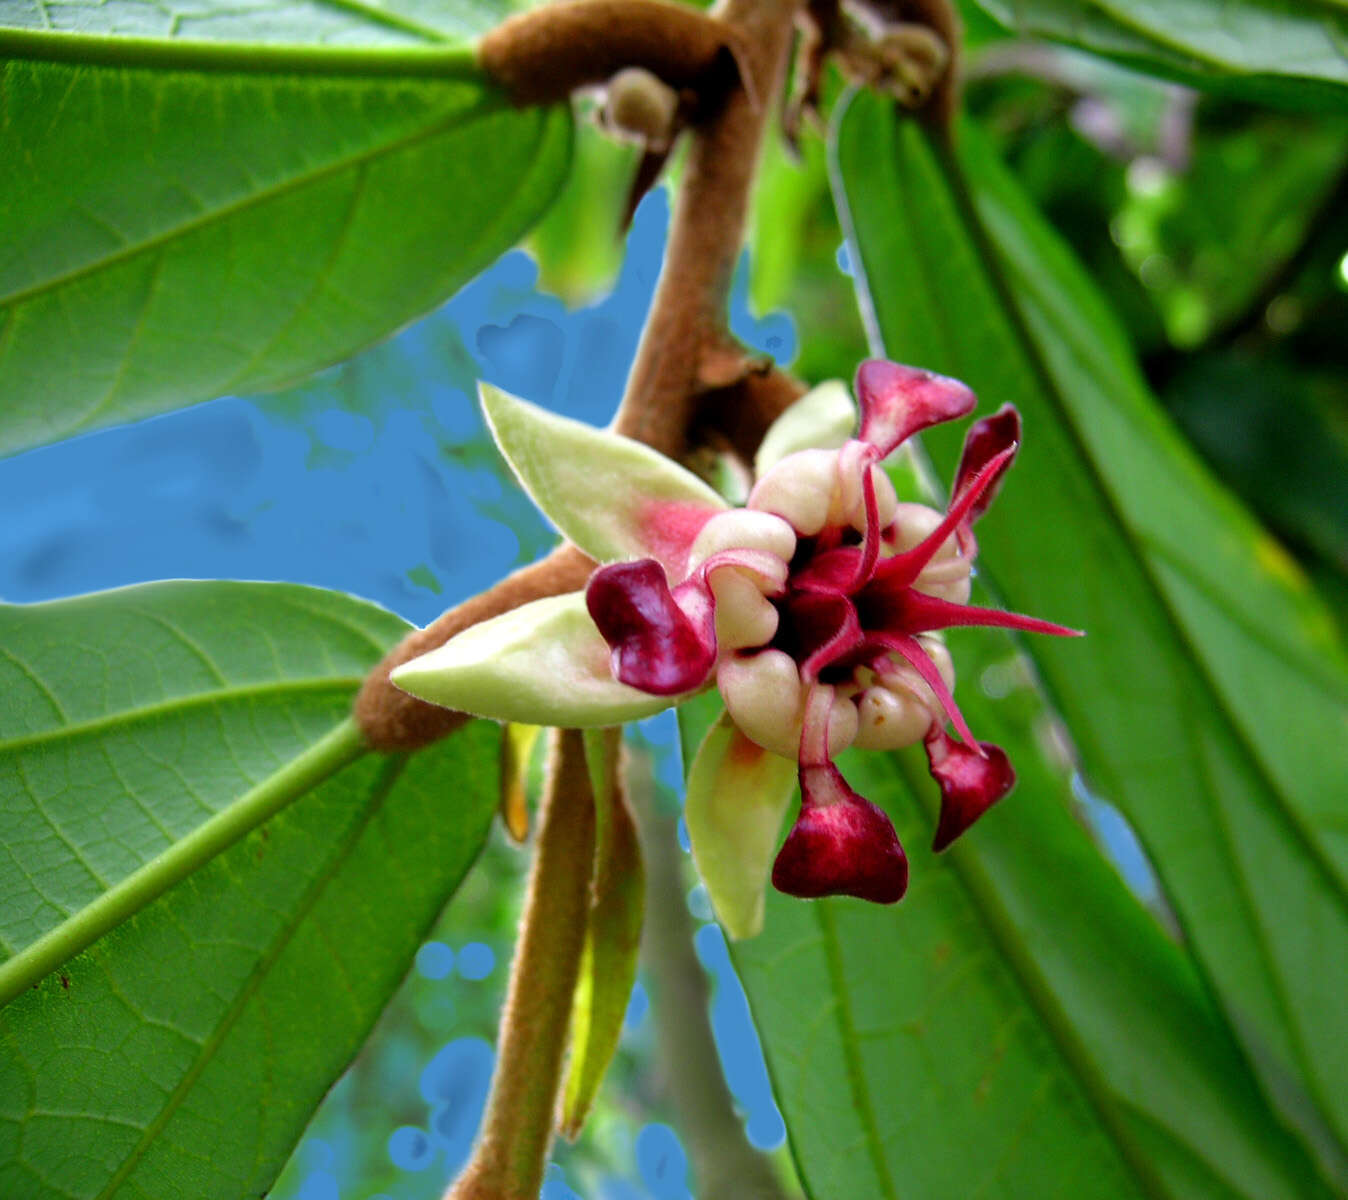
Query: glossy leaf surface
x,y
132,716
304,200
1268,50
184,1052
1209,699
1018,1025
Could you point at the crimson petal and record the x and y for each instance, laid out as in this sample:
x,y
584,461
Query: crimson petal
x,y
898,401
656,646
971,782
841,844
916,612
986,439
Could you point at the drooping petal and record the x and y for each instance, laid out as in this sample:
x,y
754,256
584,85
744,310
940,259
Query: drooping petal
x,y
971,781
986,440
898,401
613,497
738,794
657,645
841,844
543,663
822,419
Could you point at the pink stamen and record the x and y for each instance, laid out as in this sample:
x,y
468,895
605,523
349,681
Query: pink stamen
x,y
911,649
917,612
904,568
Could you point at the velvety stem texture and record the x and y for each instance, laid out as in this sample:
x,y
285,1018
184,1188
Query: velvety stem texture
x,y
511,1153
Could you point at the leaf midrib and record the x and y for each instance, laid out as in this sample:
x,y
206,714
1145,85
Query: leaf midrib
x,y
343,684
856,1074
486,104
379,791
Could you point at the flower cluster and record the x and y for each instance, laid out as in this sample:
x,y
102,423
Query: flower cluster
x,y
815,610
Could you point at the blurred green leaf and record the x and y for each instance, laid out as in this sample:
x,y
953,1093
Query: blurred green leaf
x,y
794,244
344,190
1206,260
1018,1025
183,1053
1288,51
1210,699
579,243
1262,425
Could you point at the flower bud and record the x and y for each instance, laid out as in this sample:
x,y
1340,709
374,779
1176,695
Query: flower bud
x,y
742,528
743,617
641,108
763,696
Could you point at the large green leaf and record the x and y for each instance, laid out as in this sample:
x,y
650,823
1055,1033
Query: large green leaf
x,y
184,1052
1017,1026
195,217
1209,699
1274,50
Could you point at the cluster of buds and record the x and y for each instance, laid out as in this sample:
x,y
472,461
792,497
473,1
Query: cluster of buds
x,y
815,610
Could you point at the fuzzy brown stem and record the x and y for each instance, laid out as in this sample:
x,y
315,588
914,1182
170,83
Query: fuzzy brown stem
x,y
511,1152
542,56
391,719
668,392
687,323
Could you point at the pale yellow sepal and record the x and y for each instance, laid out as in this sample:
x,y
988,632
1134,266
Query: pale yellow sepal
x,y
613,497
544,663
738,794
822,419
517,748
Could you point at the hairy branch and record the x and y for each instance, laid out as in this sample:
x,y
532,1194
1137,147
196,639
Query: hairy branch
x,y
542,56
689,373
393,720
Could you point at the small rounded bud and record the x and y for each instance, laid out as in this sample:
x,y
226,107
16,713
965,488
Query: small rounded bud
x,y
641,108
762,693
898,706
799,489
742,528
764,697
743,617
890,720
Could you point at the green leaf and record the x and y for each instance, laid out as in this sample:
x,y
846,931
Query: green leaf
x,y
1017,1025
1209,700
347,190
184,1052
608,965
134,716
1288,51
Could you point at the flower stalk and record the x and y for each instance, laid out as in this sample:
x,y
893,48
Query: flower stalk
x,y
511,1152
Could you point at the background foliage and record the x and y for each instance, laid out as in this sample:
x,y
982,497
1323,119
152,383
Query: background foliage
x,y
1156,275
